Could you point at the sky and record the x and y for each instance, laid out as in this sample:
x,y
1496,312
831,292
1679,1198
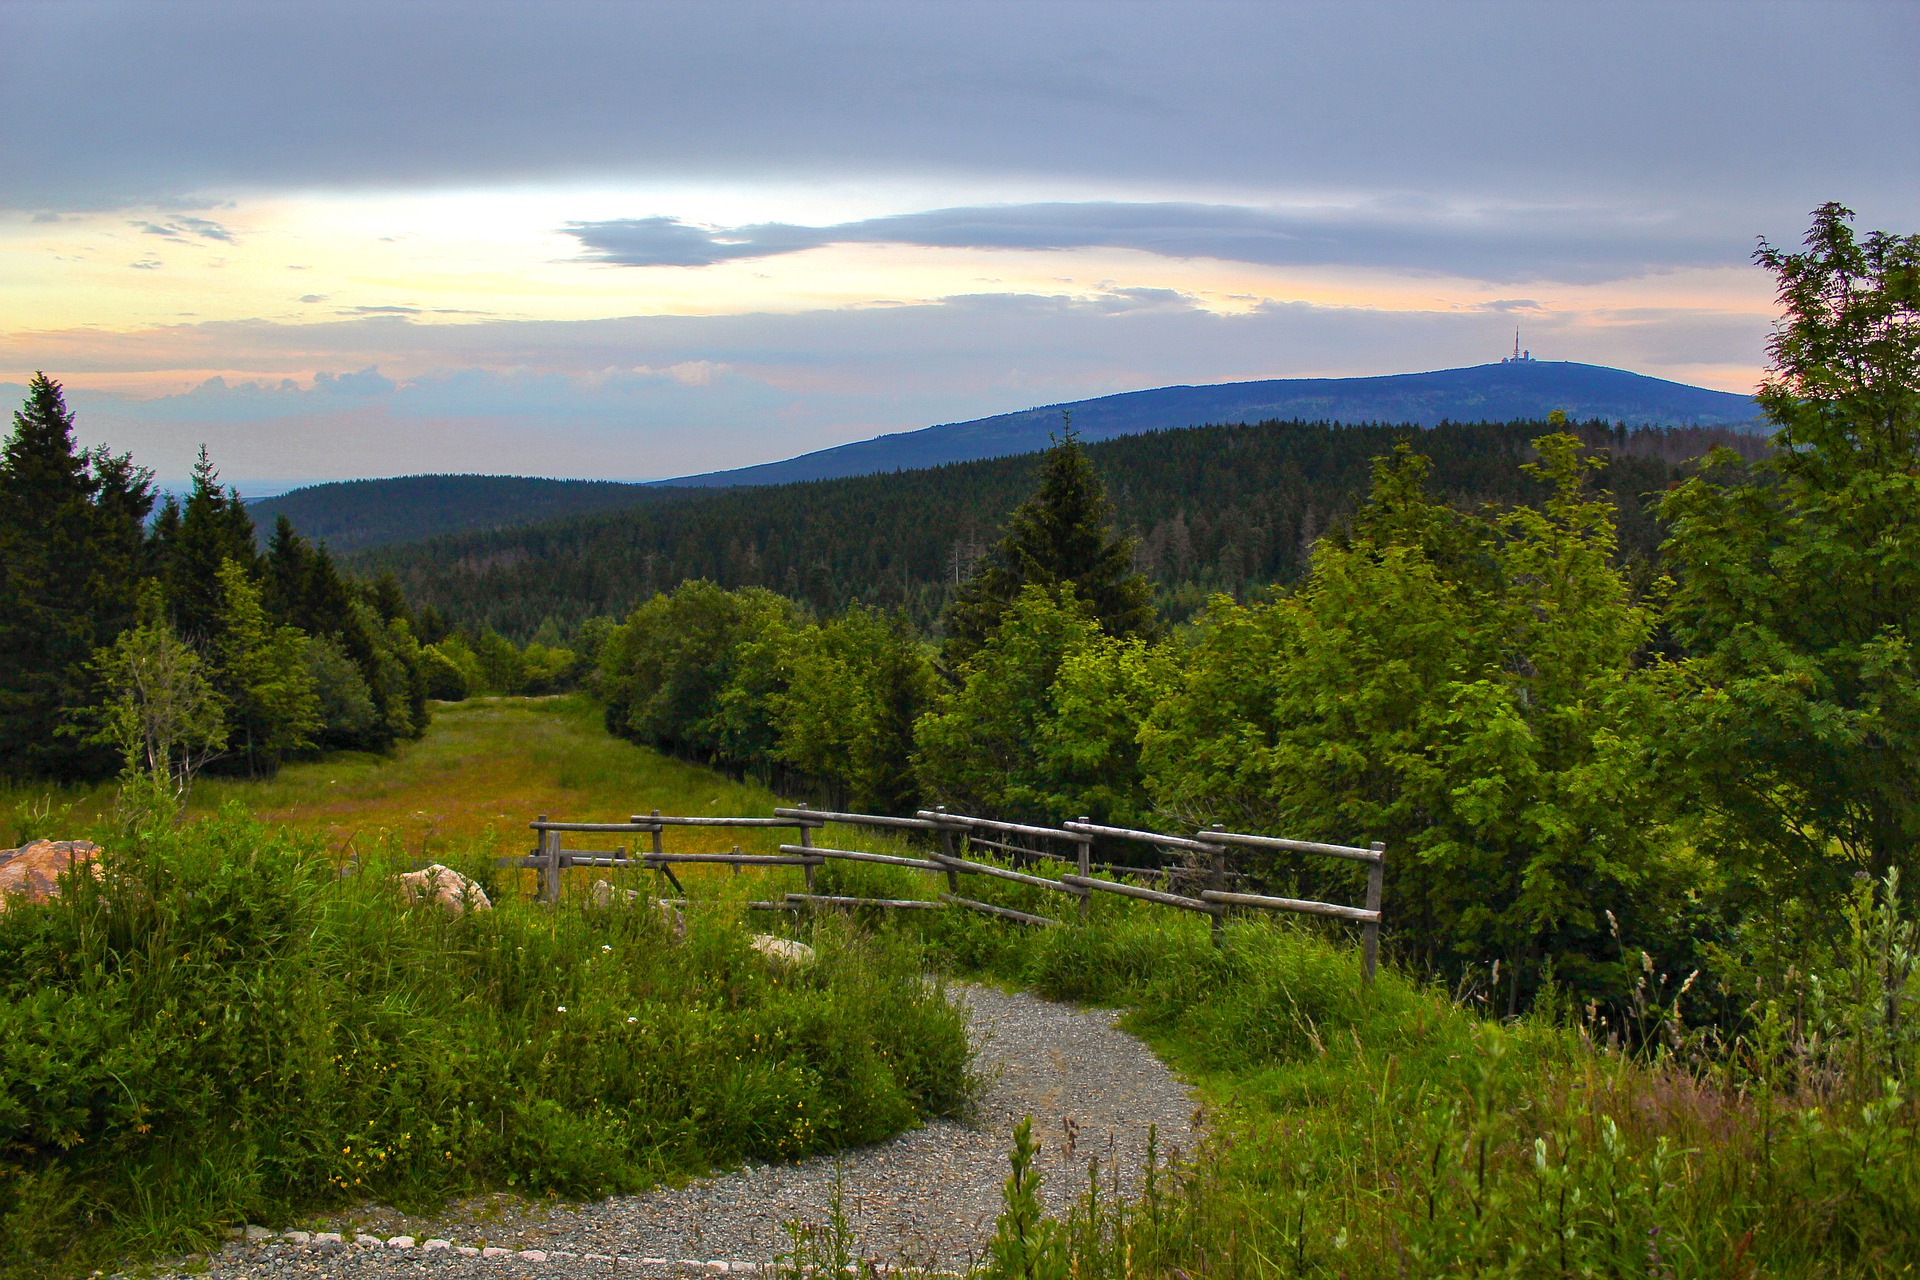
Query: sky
x,y
642,240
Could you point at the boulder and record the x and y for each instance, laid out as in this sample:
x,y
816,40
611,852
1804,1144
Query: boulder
x,y
445,886
782,950
604,894
31,873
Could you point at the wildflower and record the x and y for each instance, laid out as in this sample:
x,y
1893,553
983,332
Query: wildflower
x,y
563,1008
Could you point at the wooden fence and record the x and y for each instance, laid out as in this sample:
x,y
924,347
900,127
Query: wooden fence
x,y
1033,848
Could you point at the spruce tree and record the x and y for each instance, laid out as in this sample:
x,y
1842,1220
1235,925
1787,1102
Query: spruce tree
x,y
285,579
69,553
1061,536
214,528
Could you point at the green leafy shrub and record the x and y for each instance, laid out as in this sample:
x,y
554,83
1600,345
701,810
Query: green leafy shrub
x,y
224,1027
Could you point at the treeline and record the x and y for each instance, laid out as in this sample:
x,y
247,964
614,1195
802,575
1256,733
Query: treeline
x,y
1213,509
1573,759
165,640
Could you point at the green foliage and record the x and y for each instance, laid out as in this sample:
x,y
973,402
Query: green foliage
x,y
447,680
665,672
226,1029
1799,583
854,687
70,560
161,710
1059,538
261,671
1458,686
1045,724
213,528
1026,1244
344,704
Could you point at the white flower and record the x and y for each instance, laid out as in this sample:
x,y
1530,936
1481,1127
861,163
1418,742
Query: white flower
x,y
563,1008
605,947
633,1019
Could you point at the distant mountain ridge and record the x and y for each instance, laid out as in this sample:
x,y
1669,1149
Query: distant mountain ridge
x,y
359,515
1505,392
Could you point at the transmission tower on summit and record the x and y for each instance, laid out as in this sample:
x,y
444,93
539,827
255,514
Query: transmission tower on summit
x,y
1518,356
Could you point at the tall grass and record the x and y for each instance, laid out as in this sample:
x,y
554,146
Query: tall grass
x,y
228,1026
1398,1130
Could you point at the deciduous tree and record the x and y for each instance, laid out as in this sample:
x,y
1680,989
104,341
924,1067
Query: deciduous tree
x,y
1799,580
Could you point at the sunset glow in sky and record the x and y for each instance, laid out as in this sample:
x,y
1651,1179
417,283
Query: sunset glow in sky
x,y
645,240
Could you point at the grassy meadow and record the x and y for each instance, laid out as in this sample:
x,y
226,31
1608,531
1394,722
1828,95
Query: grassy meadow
x,y
486,767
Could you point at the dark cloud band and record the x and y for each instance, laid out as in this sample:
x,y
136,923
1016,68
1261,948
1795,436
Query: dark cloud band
x,y
1516,245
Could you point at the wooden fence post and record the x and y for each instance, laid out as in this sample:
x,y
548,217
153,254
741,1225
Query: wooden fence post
x,y
1219,881
551,872
1370,931
540,851
1085,846
806,842
946,843
659,846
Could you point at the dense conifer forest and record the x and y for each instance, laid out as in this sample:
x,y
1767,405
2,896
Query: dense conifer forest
x,y
356,515
163,642
1222,508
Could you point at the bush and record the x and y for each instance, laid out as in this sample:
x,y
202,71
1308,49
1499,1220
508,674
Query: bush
x,y
224,1029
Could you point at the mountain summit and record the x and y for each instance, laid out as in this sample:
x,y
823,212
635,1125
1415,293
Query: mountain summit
x,y
1508,391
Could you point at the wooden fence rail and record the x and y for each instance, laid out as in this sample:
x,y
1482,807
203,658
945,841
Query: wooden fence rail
x,y
1213,845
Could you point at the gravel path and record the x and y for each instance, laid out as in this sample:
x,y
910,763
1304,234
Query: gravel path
x,y
927,1197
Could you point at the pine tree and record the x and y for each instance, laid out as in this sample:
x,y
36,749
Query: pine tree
x,y
214,528
1061,536
288,562
69,544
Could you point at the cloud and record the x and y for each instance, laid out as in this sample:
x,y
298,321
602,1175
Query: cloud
x,y
180,229
654,396
1576,244
1640,102
313,297
367,382
147,264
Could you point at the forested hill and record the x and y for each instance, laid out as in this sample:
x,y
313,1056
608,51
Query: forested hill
x,y
358,515
353,515
1507,392
1216,508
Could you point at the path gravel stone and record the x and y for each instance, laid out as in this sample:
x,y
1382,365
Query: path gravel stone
x,y
927,1198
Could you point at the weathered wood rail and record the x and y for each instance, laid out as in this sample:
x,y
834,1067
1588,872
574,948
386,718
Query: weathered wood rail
x,y
1033,847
